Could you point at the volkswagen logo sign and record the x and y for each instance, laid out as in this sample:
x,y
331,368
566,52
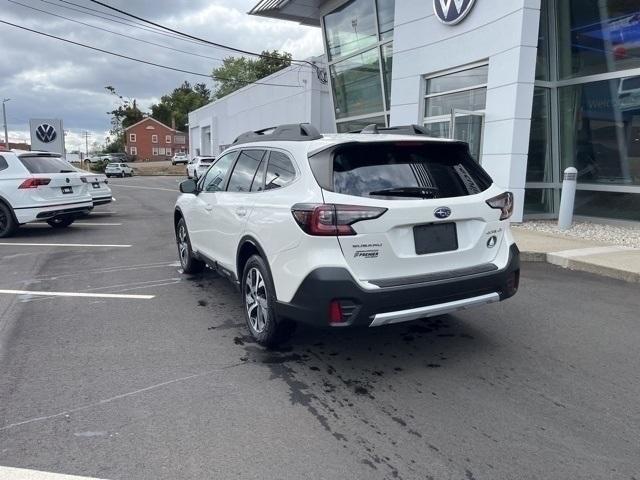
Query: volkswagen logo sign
x,y
46,133
442,213
451,12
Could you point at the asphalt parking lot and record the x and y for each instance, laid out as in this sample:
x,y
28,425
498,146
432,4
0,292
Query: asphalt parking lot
x,y
159,380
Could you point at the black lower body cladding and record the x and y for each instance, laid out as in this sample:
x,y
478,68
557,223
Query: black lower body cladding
x,y
311,303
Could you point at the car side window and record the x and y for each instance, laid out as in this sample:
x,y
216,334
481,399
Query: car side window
x,y
3,163
245,170
213,181
280,171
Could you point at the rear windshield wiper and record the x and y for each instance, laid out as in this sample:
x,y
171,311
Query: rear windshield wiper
x,y
410,192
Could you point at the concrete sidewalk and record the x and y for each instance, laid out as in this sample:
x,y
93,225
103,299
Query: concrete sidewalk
x,y
622,263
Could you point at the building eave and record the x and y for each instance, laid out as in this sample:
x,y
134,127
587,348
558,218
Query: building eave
x,y
305,12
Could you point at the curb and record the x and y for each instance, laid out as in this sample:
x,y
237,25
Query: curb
x,y
580,266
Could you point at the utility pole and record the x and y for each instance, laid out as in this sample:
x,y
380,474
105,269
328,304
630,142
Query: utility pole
x,y
4,119
86,143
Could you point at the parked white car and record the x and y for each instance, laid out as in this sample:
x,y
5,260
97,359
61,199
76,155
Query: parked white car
x,y
344,230
118,170
180,159
198,166
98,187
39,186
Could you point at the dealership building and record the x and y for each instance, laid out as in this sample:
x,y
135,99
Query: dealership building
x,y
533,86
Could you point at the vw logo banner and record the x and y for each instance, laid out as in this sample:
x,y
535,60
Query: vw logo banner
x,y
451,12
46,133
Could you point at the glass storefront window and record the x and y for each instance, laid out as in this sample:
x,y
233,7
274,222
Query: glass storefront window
x,y
387,68
356,125
540,163
538,201
597,36
622,206
472,77
350,28
600,131
386,17
357,85
467,100
542,64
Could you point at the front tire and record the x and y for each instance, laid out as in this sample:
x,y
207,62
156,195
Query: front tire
x,y
188,262
259,299
61,222
8,225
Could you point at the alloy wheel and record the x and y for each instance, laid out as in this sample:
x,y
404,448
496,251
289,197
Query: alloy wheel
x,y
183,245
256,301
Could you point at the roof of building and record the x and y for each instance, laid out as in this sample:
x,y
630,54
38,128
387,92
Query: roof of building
x,y
153,120
306,12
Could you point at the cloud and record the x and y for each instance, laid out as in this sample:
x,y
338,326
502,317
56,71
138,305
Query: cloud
x,y
48,78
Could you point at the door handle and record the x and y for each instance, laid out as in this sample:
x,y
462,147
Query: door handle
x,y
208,207
241,212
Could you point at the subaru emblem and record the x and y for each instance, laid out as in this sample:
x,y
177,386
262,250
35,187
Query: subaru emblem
x,y
442,213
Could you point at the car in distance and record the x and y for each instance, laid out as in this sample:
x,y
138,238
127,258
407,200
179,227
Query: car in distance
x,y
98,187
118,170
39,186
198,166
180,159
368,229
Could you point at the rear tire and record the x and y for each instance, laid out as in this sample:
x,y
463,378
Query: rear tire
x,y
61,222
8,224
188,262
259,299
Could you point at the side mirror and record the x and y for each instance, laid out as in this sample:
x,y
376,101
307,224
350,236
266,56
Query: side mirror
x,y
188,186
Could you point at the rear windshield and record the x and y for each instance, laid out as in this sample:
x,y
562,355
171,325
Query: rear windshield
x,y
46,165
407,170
207,160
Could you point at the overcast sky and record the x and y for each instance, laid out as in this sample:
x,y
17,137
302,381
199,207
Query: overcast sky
x,y
46,78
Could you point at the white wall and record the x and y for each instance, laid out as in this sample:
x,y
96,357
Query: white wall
x,y
504,33
256,106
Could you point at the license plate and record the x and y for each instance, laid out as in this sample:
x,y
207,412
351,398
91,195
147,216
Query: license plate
x,y
66,190
96,185
435,238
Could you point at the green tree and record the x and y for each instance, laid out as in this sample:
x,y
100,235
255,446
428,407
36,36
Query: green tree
x,y
123,116
238,72
177,105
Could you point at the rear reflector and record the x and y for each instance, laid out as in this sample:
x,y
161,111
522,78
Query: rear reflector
x,y
335,312
34,183
327,220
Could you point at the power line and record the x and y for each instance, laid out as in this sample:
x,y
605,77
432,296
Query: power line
x,y
233,49
113,32
143,61
127,23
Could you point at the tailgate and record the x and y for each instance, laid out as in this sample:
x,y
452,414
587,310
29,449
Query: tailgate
x,y
62,188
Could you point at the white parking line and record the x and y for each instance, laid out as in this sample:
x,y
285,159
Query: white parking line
x,y
16,244
8,473
77,294
172,190
95,224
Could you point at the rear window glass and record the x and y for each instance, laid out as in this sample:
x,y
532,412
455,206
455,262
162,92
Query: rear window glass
x,y
407,170
280,171
46,165
207,160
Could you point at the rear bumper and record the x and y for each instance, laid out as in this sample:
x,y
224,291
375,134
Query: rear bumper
x,y
311,303
102,200
27,215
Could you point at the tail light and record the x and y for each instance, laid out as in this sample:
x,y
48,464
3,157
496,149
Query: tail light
x,y
326,220
34,183
504,203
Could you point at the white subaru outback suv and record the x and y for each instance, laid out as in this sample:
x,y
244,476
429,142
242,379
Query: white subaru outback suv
x,y
367,229
39,186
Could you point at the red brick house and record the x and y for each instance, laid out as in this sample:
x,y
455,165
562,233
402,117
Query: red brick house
x,y
150,140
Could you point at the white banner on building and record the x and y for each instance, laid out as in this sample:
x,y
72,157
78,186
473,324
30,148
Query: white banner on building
x,y
47,135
